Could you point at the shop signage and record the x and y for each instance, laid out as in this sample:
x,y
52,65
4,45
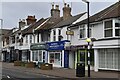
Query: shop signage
x,y
69,32
38,46
57,45
72,47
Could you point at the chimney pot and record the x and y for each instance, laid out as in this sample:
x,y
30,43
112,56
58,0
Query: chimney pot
x,y
57,7
65,4
52,6
68,5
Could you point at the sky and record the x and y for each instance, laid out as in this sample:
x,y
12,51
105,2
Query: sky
x,y
13,11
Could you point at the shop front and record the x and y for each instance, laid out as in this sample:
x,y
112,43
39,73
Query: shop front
x,y
25,55
77,54
107,55
4,55
38,52
57,55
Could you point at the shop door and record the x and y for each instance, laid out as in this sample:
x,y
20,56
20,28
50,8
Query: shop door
x,y
55,58
66,59
82,57
43,57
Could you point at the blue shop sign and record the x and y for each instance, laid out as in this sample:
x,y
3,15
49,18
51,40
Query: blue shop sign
x,y
57,45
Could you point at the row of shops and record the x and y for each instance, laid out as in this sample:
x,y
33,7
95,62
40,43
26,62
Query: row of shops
x,y
56,53
67,56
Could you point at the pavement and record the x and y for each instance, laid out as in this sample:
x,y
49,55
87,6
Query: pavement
x,y
65,73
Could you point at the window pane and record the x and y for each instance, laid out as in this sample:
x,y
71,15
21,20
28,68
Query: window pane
x,y
108,33
117,32
54,33
30,38
26,39
57,56
54,38
35,55
59,32
108,24
117,24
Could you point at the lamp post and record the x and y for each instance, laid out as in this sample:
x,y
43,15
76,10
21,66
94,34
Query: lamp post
x,y
88,35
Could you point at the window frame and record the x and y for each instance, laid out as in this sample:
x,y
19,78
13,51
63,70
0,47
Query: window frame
x,y
26,38
82,27
117,27
108,28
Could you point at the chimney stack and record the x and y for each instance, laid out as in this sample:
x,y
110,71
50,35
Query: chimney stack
x,y
22,23
31,20
66,11
55,12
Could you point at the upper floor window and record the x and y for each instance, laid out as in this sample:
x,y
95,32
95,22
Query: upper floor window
x,y
59,35
108,28
82,31
13,39
38,37
30,38
117,28
54,35
3,43
90,31
26,39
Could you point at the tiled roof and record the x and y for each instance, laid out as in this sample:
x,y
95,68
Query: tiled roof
x,y
69,21
111,12
6,33
49,23
29,30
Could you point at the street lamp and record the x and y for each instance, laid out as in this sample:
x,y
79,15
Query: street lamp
x,y
88,35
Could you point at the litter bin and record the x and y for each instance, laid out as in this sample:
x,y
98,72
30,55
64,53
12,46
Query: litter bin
x,y
80,69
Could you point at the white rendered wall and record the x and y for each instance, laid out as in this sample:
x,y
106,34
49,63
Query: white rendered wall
x,y
96,62
98,31
71,60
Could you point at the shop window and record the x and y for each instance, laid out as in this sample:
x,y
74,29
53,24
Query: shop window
x,y
108,58
55,58
40,55
24,56
108,28
35,55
